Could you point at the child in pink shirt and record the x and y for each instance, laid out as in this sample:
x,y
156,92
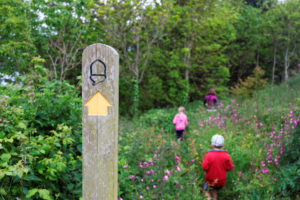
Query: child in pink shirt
x,y
180,120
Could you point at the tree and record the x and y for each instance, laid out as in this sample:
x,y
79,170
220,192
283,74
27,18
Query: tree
x,y
245,51
133,27
61,34
283,28
16,42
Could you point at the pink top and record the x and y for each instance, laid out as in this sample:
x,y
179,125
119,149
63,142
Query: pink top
x,y
180,121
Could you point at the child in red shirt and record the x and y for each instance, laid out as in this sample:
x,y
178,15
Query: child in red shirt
x,y
216,163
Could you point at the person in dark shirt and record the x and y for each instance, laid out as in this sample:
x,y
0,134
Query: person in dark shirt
x,y
211,100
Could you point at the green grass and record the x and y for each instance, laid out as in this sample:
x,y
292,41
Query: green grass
x,y
247,127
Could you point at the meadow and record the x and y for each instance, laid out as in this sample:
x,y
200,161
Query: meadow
x,y
40,145
261,136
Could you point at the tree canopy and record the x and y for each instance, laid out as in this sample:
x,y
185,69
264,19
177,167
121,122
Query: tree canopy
x,y
171,52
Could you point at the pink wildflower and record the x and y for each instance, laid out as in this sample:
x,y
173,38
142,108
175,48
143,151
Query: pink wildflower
x,y
146,164
240,173
154,186
125,166
140,197
275,179
166,178
178,168
265,171
167,172
131,176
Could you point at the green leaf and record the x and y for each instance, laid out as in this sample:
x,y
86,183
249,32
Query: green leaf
x,y
44,194
31,192
2,191
22,125
32,177
5,157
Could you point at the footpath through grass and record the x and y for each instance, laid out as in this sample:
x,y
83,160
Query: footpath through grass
x,y
261,136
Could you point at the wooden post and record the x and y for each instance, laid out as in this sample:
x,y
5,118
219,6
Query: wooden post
x,y
100,104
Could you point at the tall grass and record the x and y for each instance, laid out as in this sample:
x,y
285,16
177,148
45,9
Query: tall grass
x,y
259,134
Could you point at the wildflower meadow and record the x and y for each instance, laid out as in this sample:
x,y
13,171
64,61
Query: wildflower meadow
x,y
261,136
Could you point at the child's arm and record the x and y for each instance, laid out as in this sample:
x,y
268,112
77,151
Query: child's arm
x,y
205,164
175,119
229,164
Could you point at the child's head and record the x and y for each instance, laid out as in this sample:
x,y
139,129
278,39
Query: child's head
x,y
212,91
217,141
181,109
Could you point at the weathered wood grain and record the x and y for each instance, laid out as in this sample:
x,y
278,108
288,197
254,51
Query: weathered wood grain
x,y
100,133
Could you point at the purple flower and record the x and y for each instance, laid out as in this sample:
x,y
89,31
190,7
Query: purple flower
x,y
125,166
146,164
140,165
167,172
140,197
181,187
240,173
154,186
275,179
178,168
131,176
151,171
166,178
151,162
265,171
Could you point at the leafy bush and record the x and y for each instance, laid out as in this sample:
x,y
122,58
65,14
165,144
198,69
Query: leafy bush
x,y
160,119
251,84
40,139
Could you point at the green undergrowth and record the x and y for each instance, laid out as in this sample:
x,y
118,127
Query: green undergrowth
x,y
261,136
40,145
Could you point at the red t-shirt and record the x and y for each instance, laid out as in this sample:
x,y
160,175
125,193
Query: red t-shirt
x,y
216,164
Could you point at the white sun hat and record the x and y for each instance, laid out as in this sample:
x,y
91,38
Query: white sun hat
x,y
217,140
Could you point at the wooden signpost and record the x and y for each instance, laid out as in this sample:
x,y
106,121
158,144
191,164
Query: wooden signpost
x,y
100,104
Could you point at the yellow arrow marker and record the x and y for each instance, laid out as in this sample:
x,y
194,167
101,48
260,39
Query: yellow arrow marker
x,y
97,105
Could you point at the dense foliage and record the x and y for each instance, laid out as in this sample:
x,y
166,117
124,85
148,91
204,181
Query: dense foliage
x,y
40,144
261,136
40,139
171,51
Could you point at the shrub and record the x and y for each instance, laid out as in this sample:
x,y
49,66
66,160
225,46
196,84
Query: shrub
x,y
251,84
40,139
